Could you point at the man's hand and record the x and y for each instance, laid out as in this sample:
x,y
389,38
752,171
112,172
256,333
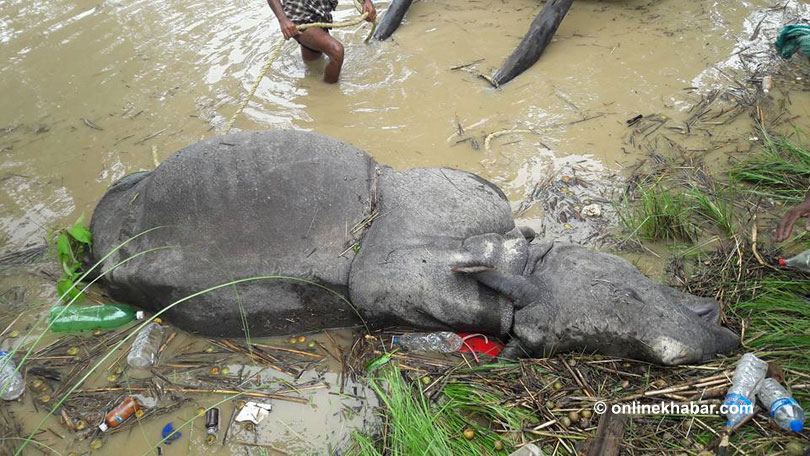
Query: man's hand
x,y
790,218
288,29
372,13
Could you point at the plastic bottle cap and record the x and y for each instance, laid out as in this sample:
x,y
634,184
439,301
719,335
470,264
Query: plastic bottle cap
x,y
139,315
796,426
782,262
3,353
103,427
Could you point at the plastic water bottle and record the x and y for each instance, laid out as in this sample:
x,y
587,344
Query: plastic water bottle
x,y
444,342
83,318
740,397
785,411
147,342
800,262
11,382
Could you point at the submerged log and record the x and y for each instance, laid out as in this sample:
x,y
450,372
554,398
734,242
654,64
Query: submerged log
x,y
392,18
534,42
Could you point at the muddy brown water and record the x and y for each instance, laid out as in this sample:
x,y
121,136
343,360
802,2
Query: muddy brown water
x,y
92,90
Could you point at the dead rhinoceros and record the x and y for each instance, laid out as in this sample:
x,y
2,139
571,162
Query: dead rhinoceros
x,y
315,223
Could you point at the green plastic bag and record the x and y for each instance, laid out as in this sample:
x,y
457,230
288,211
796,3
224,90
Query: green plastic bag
x,y
792,39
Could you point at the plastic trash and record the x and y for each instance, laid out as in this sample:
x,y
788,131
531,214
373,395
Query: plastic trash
x,y
480,344
800,262
212,421
120,413
785,411
11,382
169,434
443,342
253,412
740,397
144,350
83,318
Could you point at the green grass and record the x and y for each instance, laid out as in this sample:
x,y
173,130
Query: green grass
x,y
416,425
659,214
778,319
716,209
780,172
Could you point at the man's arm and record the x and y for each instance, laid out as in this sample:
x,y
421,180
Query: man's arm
x,y
791,217
367,6
288,29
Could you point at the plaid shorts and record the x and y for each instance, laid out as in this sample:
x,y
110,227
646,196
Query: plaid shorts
x,y
309,11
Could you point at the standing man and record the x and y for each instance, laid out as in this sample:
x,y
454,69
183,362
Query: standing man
x,y
314,41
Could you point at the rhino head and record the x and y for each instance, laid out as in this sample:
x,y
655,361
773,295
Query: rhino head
x,y
572,299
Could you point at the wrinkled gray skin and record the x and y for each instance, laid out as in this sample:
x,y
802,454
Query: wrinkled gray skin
x,y
438,249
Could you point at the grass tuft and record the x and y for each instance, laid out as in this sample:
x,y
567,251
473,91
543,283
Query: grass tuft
x,y
780,172
659,214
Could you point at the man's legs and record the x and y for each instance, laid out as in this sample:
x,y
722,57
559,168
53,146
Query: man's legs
x,y
309,55
317,39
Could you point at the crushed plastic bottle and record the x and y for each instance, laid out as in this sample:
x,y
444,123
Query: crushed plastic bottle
x,y
11,382
443,342
120,413
785,411
84,318
144,350
740,397
800,262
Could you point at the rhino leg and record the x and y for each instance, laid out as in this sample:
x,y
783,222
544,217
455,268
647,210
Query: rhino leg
x,y
392,18
534,42
517,288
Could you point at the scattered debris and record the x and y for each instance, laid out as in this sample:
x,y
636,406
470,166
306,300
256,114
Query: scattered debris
x,y
253,412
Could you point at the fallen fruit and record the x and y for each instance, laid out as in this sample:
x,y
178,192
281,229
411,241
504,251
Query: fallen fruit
x,y
302,339
587,414
469,434
557,386
498,445
565,421
73,351
795,448
574,417
96,444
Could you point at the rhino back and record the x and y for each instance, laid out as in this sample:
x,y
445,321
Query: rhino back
x,y
243,205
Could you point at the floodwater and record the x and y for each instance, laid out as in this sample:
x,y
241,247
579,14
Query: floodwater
x,y
95,89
